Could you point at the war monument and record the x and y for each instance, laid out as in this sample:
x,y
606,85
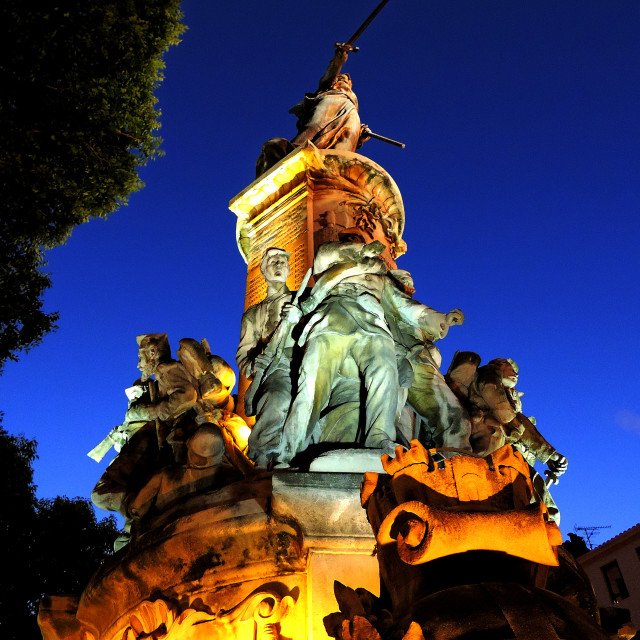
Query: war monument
x,y
350,455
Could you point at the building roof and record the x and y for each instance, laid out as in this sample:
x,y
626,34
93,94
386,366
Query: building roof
x,y
620,539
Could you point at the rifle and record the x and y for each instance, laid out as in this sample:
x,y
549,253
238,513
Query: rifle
x,y
121,433
118,437
100,450
377,136
273,350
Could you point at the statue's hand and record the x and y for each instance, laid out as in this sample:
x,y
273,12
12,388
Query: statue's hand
x,y
291,313
374,266
557,464
342,51
372,250
454,317
141,412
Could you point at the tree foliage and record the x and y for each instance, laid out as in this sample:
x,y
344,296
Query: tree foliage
x,y
53,546
77,120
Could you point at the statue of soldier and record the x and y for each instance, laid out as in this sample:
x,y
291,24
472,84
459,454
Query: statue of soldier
x,y
158,408
415,328
269,402
497,419
345,331
328,117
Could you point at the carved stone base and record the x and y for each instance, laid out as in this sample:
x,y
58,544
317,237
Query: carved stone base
x,y
256,559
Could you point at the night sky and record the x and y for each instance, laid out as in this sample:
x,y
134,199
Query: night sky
x,y
520,181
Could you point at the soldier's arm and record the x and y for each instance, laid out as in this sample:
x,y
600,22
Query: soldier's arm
x,y
245,354
329,279
334,68
180,390
534,441
491,389
432,322
179,394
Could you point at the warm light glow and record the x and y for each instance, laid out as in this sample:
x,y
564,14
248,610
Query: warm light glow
x,y
263,189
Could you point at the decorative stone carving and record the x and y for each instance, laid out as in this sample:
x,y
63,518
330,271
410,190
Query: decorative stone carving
x,y
310,197
345,185
460,504
161,618
267,607
462,544
487,610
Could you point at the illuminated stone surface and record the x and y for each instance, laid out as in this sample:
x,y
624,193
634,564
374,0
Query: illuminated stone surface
x,y
452,545
255,559
461,553
307,199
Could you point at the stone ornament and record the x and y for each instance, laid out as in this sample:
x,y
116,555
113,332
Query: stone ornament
x,y
267,607
371,200
163,619
460,504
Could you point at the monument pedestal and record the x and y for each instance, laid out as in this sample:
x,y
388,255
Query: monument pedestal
x,y
310,197
256,559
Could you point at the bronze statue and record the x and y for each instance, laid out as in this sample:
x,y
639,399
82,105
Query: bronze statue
x,y
345,338
329,117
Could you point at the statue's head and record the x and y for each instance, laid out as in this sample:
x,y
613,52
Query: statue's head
x,y
153,348
275,265
205,448
342,81
509,371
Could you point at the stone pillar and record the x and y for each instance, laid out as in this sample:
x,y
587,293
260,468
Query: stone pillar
x,y
308,198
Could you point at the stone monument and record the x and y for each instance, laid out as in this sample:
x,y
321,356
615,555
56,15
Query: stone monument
x,y
374,497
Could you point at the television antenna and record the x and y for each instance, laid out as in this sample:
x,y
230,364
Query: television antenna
x,y
591,531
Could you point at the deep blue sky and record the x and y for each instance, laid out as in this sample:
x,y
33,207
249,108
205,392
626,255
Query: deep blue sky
x,y
521,188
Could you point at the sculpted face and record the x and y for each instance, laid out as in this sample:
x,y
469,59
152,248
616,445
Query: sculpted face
x,y
147,361
509,375
275,267
342,83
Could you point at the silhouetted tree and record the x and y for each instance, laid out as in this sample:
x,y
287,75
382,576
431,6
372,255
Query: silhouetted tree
x,y
50,547
77,116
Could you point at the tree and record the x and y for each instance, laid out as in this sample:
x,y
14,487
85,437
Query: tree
x,y
54,545
77,120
